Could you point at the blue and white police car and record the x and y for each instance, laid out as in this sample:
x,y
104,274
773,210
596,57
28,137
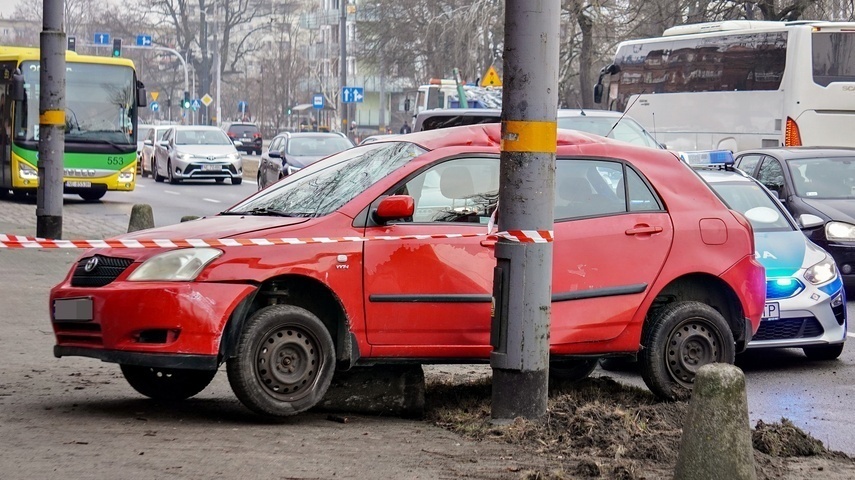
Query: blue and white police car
x,y
805,299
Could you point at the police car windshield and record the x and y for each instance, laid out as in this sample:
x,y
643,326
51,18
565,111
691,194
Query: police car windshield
x,y
751,200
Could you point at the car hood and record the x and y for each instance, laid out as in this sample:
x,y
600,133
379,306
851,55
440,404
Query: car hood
x,y
841,210
206,150
785,253
220,226
302,161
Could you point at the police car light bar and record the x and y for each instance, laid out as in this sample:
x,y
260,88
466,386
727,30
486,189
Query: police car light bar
x,y
707,157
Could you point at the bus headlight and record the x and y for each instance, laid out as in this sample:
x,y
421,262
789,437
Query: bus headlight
x,y
822,272
27,172
182,265
126,176
839,231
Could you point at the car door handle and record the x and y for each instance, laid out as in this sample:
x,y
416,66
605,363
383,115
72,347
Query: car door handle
x,y
490,242
643,229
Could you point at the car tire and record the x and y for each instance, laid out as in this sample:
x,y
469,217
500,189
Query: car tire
x,y
92,195
824,352
679,339
156,173
237,180
572,369
169,174
170,384
258,181
304,358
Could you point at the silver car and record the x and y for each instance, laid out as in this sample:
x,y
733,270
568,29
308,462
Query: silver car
x,y
197,153
153,135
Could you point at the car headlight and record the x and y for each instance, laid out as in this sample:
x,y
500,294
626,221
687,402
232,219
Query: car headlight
x,y
185,156
822,272
182,265
234,156
839,231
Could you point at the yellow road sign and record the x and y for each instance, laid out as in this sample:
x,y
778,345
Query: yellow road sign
x,y
206,100
491,78
154,95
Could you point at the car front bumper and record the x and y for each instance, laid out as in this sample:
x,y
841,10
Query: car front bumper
x,y
205,170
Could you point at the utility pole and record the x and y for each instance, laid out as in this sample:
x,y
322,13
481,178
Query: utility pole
x,y
51,121
342,67
217,58
522,280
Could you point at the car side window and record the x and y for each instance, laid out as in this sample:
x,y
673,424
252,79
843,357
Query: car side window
x,y
771,174
747,163
585,188
641,197
275,144
459,190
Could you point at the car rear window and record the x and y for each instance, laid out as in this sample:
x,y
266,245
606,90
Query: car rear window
x,y
243,129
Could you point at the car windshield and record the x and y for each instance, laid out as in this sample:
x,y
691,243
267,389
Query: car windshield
x,y
627,130
824,177
751,200
319,146
142,132
201,137
329,184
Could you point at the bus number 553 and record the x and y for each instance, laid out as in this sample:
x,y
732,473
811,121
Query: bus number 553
x,y
115,160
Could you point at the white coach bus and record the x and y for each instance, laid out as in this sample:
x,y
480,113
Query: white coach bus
x,y
739,84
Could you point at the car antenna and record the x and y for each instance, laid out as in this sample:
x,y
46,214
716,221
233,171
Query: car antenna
x,y
624,114
581,110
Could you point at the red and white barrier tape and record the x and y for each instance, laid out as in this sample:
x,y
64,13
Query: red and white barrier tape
x,y
17,241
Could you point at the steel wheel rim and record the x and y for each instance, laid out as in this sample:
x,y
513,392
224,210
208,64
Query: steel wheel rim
x,y
287,362
691,345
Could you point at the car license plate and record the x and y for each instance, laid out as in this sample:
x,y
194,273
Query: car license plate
x,y
78,184
771,311
72,310
211,167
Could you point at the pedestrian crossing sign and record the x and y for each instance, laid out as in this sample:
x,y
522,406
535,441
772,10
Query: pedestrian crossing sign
x,y
491,78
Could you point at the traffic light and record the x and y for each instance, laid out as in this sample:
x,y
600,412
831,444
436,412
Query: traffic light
x,y
117,47
185,103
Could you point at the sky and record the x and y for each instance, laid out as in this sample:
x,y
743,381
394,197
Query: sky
x,y
7,7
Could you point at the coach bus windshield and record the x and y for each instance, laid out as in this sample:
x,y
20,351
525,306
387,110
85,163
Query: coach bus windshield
x,y
833,57
99,103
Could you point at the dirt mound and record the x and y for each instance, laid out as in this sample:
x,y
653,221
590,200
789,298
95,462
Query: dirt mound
x,y
601,428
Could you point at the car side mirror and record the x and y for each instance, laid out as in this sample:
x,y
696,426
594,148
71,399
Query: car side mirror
x,y
395,206
598,92
274,154
163,143
808,220
147,142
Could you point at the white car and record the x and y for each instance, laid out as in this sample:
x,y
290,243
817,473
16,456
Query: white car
x,y
194,152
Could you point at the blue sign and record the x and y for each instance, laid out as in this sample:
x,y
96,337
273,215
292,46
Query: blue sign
x,y
102,39
352,95
195,104
318,101
144,40
242,106
154,106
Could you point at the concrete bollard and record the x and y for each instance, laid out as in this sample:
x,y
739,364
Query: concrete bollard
x,y
397,390
187,218
142,217
716,440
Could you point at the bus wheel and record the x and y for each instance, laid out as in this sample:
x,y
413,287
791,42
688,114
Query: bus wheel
x,y
169,384
92,195
284,361
681,338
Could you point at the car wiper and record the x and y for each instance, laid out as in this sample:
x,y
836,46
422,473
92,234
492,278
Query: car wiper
x,y
261,211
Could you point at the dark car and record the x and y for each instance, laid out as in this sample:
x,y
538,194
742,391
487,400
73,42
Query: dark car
x,y
291,151
817,185
248,134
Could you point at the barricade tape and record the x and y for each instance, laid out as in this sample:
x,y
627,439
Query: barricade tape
x,y
17,241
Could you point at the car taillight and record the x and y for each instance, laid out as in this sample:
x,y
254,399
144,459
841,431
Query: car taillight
x,y
256,135
231,134
792,137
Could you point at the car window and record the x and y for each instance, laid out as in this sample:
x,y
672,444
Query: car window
x,y
201,137
771,174
142,132
586,188
750,199
641,197
243,130
460,190
824,177
276,144
625,130
317,146
161,133
748,163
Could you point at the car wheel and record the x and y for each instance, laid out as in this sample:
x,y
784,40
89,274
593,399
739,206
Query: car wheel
x,y
284,361
156,173
824,352
142,171
236,180
681,338
258,151
167,383
169,173
572,369
258,181
92,195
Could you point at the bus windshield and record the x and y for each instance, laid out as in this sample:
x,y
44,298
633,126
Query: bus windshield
x,y
99,104
833,57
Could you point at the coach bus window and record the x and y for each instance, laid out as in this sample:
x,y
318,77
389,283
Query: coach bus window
x,y
833,57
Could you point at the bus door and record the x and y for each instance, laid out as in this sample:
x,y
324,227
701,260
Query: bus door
x,y
6,71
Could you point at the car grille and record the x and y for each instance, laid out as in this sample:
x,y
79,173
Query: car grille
x,y
105,271
789,328
839,313
78,333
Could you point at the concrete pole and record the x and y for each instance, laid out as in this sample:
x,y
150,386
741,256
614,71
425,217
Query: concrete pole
x,y
51,121
523,276
342,32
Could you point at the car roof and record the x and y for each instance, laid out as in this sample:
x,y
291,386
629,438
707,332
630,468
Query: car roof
x,y
309,134
802,152
489,135
717,175
194,127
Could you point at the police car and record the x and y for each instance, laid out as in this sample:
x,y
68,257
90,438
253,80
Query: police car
x,y
805,299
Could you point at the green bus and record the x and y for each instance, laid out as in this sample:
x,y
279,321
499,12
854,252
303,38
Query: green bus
x,y
102,97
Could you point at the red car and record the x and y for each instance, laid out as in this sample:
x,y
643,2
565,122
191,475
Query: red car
x,y
647,262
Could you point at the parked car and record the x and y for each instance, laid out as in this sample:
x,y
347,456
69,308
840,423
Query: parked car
x,y
291,151
817,186
247,134
376,137
805,300
195,152
142,132
455,117
149,143
358,269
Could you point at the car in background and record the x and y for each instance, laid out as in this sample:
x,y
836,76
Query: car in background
x,y
142,132
197,152
817,187
455,117
341,264
805,298
376,138
149,143
290,152
247,134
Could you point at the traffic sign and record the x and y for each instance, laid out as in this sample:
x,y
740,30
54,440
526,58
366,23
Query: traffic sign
x,y
143,40
242,106
491,78
154,95
102,39
352,94
195,104
318,101
206,99
154,106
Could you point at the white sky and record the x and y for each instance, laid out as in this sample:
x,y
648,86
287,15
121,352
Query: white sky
x,y
7,7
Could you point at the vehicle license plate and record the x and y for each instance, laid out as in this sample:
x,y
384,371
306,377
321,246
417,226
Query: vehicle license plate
x,y
77,184
72,309
771,311
211,167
